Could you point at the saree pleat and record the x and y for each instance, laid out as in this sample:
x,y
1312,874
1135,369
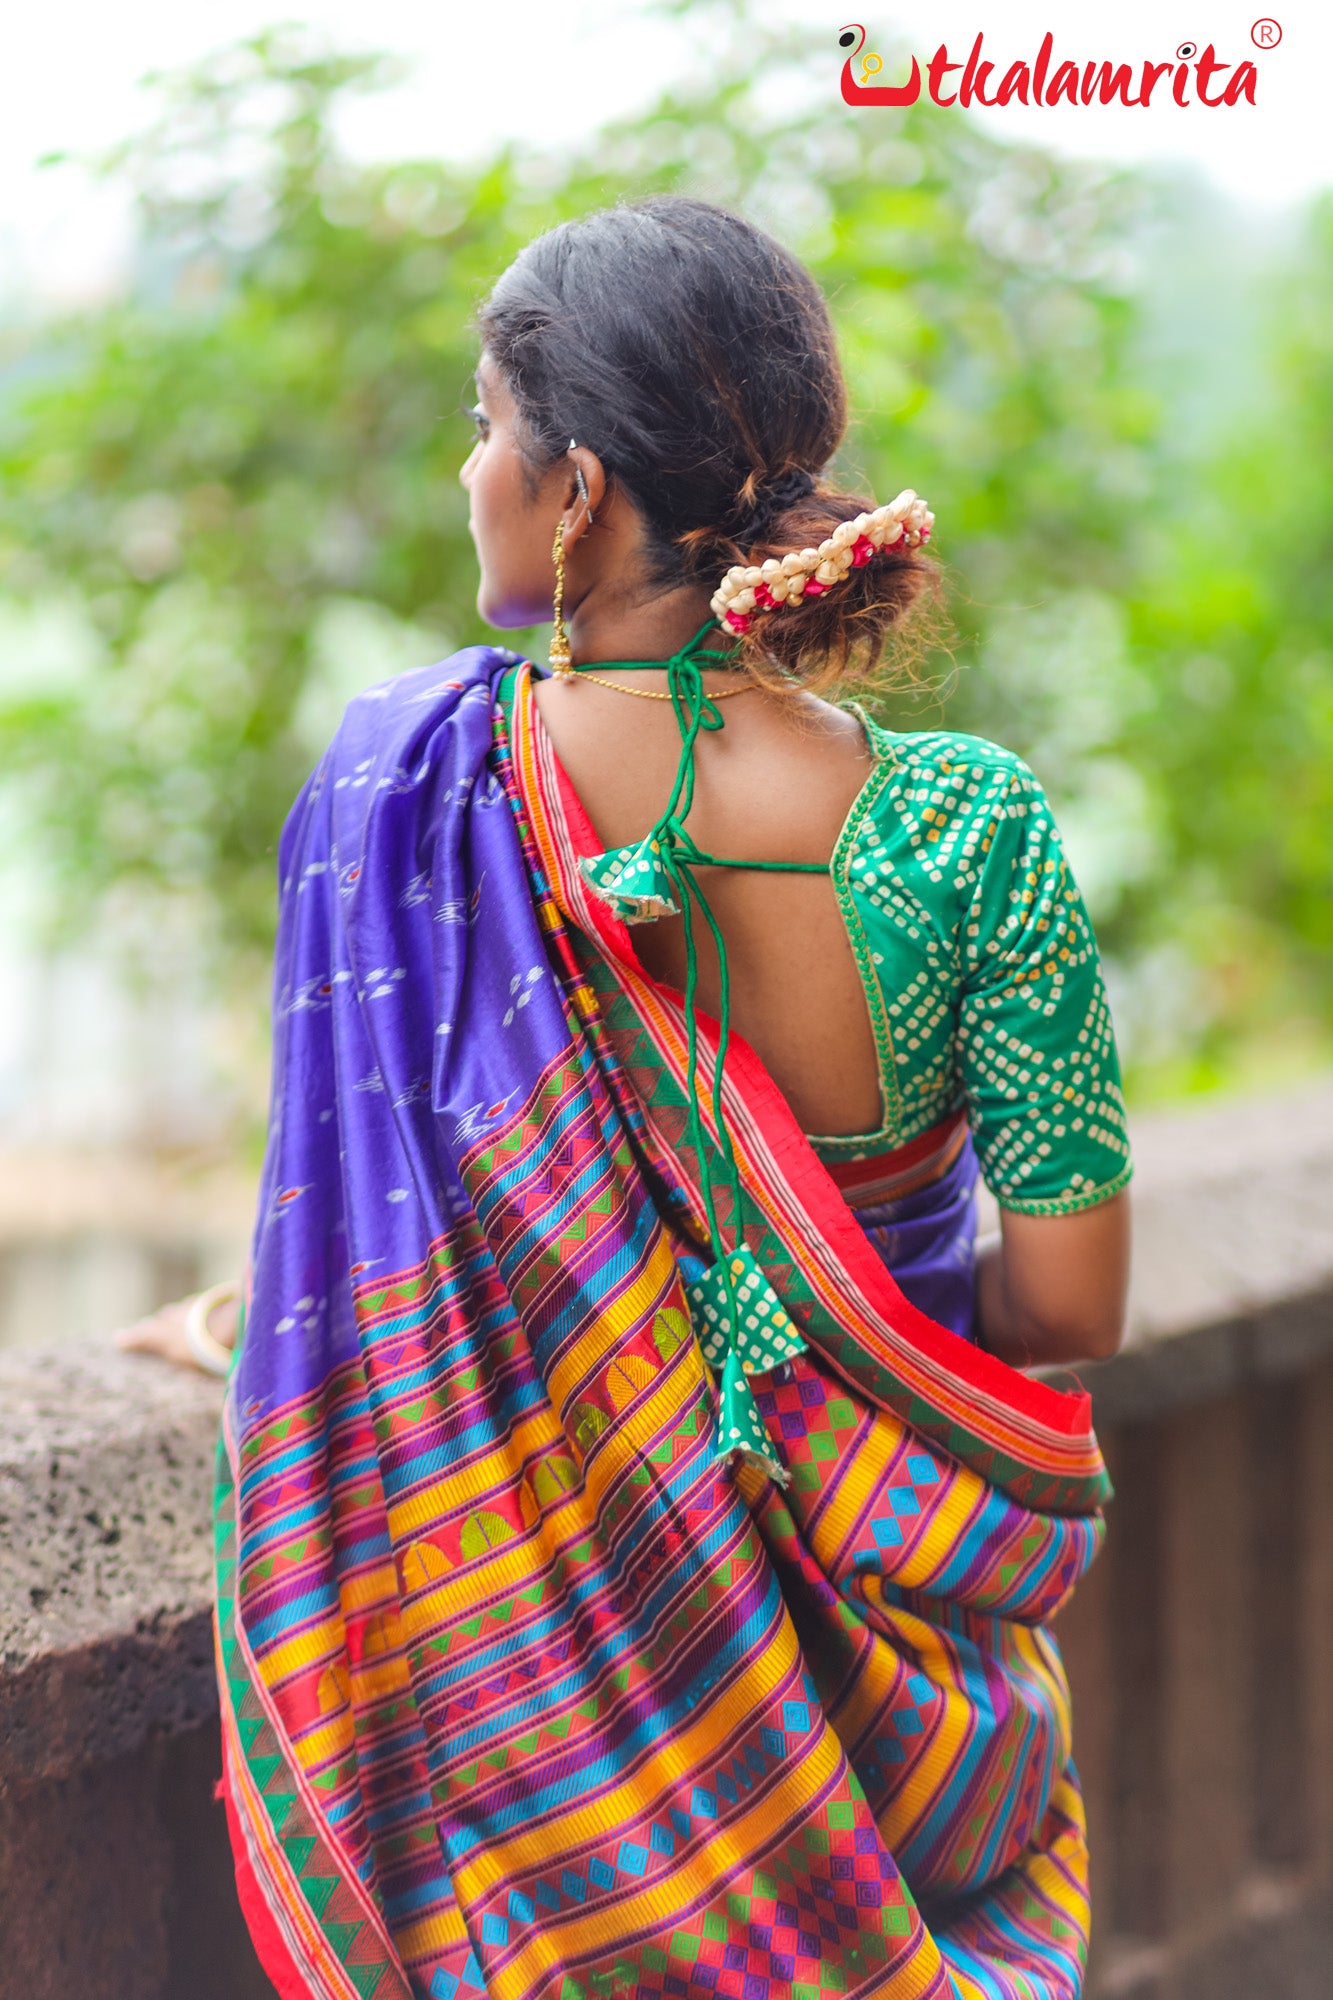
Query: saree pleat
x,y
526,1690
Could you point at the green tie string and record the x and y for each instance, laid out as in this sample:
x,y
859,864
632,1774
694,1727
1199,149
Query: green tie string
x,y
677,854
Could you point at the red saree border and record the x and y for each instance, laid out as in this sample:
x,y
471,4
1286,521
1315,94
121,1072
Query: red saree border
x,y
271,1949
900,1170
565,834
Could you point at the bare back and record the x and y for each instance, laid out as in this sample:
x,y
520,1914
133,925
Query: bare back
x,y
776,784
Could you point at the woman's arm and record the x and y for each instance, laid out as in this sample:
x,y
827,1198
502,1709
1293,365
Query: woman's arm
x,y
1053,1288
165,1331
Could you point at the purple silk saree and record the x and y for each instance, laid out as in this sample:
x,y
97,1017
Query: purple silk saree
x,y
527,1689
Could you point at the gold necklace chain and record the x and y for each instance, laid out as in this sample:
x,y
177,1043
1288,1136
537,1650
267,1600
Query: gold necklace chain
x,y
653,694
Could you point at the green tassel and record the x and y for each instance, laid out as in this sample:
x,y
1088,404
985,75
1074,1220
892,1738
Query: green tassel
x,y
758,1335
740,1427
764,1334
633,880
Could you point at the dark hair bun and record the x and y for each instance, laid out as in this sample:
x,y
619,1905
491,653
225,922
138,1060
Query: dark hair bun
x,y
696,356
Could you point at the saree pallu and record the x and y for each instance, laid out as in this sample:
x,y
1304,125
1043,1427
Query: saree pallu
x,y
525,1690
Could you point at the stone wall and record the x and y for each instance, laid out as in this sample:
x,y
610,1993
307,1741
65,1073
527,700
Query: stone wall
x,y
1200,1647
115,1871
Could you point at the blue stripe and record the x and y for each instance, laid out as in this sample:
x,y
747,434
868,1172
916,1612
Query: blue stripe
x,y
658,1727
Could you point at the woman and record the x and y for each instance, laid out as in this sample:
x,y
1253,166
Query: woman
x,y
636,1535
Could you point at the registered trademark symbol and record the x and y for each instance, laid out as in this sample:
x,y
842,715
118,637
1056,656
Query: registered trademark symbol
x,y
1266,33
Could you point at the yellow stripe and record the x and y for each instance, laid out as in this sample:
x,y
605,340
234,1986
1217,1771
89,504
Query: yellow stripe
x,y
378,1681
512,1567
928,1546
659,1902
324,1641
328,1639
375,1586
428,1936
478,1480
328,1740
1060,1874
658,1280
679,1761
582,1357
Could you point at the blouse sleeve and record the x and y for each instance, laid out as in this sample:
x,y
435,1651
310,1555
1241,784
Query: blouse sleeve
x,y
1036,1048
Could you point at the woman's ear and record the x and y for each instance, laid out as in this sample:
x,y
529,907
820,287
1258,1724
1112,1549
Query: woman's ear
x,y
587,489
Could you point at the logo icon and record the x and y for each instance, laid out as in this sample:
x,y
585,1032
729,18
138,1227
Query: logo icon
x,y
853,37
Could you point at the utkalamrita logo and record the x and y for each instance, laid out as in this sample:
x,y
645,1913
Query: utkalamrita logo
x,y
1196,77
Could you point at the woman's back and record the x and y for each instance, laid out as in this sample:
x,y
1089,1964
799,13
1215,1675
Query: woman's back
x,y
775,784
631,1571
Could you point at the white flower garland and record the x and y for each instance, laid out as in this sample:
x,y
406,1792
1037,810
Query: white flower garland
x,y
906,521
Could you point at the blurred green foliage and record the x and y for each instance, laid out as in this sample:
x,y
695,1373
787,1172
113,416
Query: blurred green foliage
x,y
238,484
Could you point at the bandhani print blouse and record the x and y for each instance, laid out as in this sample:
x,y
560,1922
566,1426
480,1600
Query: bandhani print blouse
x,y
981,972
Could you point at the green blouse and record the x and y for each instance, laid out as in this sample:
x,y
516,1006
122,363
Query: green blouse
x,y
981,971
978,961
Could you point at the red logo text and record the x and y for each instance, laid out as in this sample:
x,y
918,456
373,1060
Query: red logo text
x,y
1193,76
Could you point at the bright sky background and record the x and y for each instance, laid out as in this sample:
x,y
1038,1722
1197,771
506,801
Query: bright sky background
x,y
71,68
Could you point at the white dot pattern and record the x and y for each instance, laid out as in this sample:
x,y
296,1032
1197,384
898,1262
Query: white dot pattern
x,y
633,881
990,991
760,1329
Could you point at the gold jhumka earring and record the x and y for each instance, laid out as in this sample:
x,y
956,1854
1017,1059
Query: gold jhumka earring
x,y
562,660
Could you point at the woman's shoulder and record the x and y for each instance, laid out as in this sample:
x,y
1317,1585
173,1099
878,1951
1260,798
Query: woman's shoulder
x,y
945,821
431,723
940,793
389,719
971,764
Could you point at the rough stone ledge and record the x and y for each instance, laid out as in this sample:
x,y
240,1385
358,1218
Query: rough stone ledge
x,y
1146,1381
106,1468
73,1710
106,1459
1233,1253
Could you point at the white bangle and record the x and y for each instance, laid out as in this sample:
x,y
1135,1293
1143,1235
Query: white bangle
x,y
212,1355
